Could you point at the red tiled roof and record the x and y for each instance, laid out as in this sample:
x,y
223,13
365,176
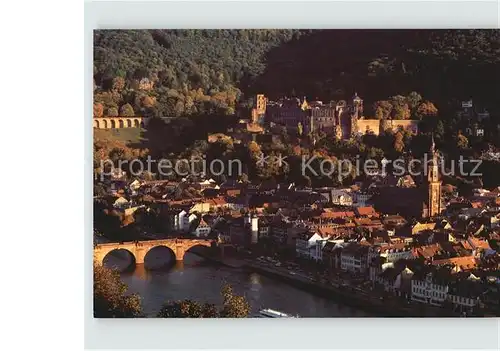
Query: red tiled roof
x,y
343,214
366,211
428,251
465,262
478,243
218,201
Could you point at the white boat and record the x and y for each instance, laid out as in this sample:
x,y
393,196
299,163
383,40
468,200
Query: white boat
x,y
269,313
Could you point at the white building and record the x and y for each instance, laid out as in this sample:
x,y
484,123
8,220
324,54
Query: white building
x,y
427,290
318,252
254,229
178,220
354,258
187,221
305,245
202,230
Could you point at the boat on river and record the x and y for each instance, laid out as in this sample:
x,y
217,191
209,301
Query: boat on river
x,y
269,313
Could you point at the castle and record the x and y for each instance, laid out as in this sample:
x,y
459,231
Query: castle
x,y
344,119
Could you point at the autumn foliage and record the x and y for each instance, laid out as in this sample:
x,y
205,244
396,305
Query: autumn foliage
x,y
110,295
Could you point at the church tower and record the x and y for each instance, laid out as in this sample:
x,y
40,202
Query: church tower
x,y
434,184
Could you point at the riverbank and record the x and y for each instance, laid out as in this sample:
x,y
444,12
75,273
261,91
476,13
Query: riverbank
x,y
352,297
344,294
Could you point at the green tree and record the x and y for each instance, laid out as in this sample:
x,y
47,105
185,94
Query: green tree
x,y
401,112
127,111
382,109
413,99
112,112
110,297
439,131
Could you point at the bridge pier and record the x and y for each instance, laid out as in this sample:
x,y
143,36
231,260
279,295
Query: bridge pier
x,y
140,255
179,253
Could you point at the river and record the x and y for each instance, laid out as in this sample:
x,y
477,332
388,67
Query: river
x,y
200,280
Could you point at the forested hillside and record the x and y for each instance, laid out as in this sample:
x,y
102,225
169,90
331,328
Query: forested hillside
x,y
207,71
193,71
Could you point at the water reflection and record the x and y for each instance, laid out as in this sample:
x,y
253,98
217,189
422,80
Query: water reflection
x,y
200,280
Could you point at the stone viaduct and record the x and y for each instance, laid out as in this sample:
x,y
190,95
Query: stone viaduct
x,y
139,249
118,122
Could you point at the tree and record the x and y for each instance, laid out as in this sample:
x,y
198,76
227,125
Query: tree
x,y
254,149
399,142
127,111
382,109
300,129
147,101
462,141
234,306
110,298
244,178
413,99
98,109
112,112
118,84
188,309
439,131
425,109
401,112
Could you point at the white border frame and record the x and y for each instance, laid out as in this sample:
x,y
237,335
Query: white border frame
x,y
257,333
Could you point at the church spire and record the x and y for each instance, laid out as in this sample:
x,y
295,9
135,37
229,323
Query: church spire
x,y
433,183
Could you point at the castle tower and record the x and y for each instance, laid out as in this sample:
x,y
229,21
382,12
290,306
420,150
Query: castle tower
x,y
434,184
339,110
261,104
258,113
357,104
304,105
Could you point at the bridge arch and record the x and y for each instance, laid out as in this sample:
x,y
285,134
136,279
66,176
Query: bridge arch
x,y
121,124
105,124
113,123
129,123
137,124
120,258
158,256
96,123
196,247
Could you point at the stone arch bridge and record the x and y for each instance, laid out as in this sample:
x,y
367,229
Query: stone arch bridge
x,y
139,249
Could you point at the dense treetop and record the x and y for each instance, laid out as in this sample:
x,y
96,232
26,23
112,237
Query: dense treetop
x,y
192,71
